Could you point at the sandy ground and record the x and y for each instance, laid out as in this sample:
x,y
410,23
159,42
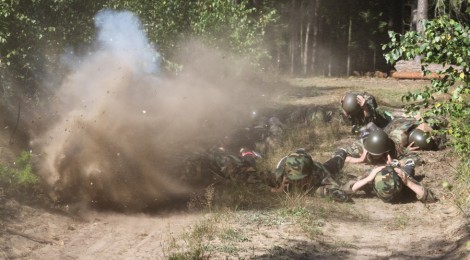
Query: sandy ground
x,y
373,230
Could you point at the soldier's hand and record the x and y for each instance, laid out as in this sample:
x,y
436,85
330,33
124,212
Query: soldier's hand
x,y
412,148
389,159
284,185
361,100
402,174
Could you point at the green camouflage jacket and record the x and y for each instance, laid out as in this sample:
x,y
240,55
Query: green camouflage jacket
x,y
299,165
216,163
399,129
389,187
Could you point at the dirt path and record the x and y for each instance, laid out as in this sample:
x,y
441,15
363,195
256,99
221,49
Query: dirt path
x,y
409,231
34,233
404,231
365,229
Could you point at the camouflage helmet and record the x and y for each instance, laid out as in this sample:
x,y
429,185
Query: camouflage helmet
x,y
378,142
350,104
421,139
296,166
387,184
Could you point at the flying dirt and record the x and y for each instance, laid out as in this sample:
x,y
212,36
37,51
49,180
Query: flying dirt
x,y
117,131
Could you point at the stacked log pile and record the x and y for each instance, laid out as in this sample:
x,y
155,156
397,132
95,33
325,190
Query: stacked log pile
x,y
411,69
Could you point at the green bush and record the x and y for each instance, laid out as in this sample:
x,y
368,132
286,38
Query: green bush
x,y
20,174
446,42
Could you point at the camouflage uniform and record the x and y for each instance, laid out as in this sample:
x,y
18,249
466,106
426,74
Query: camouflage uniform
x,y
379,116
298,166
389,187
273,130
356,149
399,129
218,164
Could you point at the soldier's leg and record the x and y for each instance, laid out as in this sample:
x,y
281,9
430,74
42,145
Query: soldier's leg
x,y
347,186
330,189
336,163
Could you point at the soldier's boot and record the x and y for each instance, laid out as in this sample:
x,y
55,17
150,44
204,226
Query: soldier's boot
x,y
336,162
334,193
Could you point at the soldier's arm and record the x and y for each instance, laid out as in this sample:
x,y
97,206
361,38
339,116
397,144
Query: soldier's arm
x,y
359,184
361,159
414,186
363,103
422,193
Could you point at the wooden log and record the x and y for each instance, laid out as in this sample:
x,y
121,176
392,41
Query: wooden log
x,y
413,75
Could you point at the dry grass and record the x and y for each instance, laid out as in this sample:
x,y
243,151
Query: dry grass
x,y
461,191
317,139
226,200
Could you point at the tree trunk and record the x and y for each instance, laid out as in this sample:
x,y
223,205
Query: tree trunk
x,y
421,15
315,22
418,16
395,16
292,39
414,15
306,44
301,33
348,62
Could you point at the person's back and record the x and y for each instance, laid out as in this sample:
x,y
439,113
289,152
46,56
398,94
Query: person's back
x,y
298,171
390,181
411,134
399,129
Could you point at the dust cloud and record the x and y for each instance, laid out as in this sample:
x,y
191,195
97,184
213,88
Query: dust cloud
x,y
121,130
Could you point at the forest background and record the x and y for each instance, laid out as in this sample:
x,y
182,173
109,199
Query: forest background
x,y
294,38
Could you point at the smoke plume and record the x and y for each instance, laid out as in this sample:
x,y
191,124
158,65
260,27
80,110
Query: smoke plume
x,y
118,132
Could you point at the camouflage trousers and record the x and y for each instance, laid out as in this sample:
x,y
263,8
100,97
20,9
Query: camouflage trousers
x,y
331,189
